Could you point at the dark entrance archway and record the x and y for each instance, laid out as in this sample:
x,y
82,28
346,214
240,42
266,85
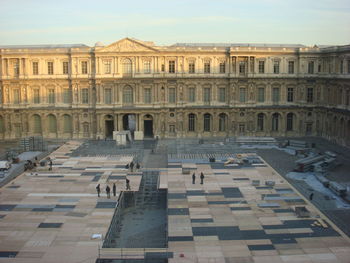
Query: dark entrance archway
x,y
129,122
148,126
109,126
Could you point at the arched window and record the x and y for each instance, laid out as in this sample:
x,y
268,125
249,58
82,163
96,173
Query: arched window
x,y
36,124
52,123
67,123
222,122
275,121
127,66
290,121
191,122
2,125
207,119
260,121
127,95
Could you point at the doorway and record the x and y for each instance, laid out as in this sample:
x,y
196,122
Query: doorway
x,y
148,126
109,128
129,122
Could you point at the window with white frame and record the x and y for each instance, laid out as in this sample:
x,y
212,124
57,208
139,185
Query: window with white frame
x,y
191,67
84,67
127,66
107,66
147,67
35,68
222,122
36,96
261,66
147,95
172,66
172,95
261,94
222,94
50,67
242,67
51,95
207,66
191,94
108,96
85,96
222,67
65,67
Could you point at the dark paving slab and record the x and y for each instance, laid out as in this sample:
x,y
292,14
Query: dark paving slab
x,y
232,192
176,196
202,220
7,207
50,225
158,255
42,209
240,208
76,214
106,205
180,238
261,247
8,254
178,211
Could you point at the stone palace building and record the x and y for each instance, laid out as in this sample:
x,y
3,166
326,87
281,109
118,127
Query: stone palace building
x,y
182,90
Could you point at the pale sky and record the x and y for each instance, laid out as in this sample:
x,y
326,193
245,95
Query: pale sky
x,y
308,22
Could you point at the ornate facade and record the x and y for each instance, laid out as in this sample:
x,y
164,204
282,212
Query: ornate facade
x,y
182,90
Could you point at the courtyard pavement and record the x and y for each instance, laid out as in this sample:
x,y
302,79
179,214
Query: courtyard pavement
x,y
51,216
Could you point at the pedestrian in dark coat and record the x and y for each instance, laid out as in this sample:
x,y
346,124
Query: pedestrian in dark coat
x,y
193,178
98,189
114,189
137,166
311,196
108,191
132,166
202,177
127,184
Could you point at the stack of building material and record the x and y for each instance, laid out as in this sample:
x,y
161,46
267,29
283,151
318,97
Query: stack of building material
x,y
306,164
256,140
33,143
338,189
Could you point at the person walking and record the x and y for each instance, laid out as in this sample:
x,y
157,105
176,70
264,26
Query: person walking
x,y
108,191
127,184
311,196
193,178
50,165
114,189
98,189
138,166
132,166
202,177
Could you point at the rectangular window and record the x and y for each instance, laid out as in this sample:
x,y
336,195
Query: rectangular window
x,y
147,67
85,96
67,98
341,66
261,94
206,95
261,67
16,67
107,67
310,67
222,67
207,67
51,93
319,68
222,95
172,66
242,94
35,68
276,67
36,96
191,67
65,67
84,67
172,94
191,94
163,67
147,95
50,68
275,94
242,67
290,67
108,96
290,94
310,95
16,96
241,128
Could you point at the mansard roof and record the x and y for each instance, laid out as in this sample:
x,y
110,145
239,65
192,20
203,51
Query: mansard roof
x,y
43,46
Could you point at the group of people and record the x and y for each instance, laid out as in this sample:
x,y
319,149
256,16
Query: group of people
x,y
114,188
194,178
132,165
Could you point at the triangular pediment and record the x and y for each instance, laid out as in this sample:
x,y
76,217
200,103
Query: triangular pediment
x,y
127,45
